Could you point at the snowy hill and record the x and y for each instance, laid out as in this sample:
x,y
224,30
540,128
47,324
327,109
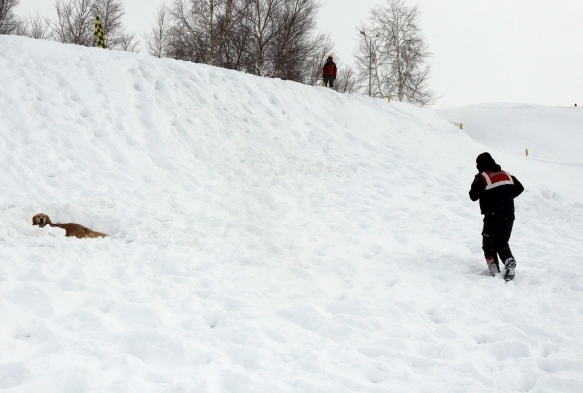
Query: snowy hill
x,y
267,236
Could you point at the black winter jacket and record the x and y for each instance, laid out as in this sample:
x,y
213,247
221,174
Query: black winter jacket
x,y
496,192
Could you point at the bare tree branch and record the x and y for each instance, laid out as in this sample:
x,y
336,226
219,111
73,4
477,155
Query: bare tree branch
x,y
346,81
199,29
157,40
38,27
9,22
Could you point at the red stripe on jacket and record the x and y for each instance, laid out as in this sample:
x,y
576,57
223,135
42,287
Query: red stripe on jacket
x,y
496,179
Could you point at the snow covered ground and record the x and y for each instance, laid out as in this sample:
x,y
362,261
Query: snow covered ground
x,y
267,236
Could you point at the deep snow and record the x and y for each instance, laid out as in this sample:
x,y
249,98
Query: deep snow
x,y
267,236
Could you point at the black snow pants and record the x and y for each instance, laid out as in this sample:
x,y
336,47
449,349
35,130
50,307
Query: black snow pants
x,y
495,237
329,81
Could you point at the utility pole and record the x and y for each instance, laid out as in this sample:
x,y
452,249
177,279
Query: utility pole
x,y
369,61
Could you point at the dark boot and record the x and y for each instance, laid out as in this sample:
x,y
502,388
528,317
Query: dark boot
x,y
509,266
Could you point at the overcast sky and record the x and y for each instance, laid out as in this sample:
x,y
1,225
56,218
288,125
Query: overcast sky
x,y
524,51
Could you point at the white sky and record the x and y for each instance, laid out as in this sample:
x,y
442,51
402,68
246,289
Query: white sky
x,y
528,51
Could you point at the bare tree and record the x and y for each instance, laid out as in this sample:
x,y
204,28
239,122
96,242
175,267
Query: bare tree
x,y
393,54
127,43
219,22
9,22
234,48
157,41
76,21
346,81
260,20
294,43
181,36
36,27
39,28
200,29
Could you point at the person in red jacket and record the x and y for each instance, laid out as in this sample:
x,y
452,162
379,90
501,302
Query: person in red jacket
x,y
496,190
329,72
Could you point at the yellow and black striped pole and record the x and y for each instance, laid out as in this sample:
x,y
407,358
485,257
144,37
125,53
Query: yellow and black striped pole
x,y
99,33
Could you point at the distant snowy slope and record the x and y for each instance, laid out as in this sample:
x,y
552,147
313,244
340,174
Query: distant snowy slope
x,y
267,236
551,134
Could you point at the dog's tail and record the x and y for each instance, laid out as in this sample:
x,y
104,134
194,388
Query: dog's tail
x,y
93,234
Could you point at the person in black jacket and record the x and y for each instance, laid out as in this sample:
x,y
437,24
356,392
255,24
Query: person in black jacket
x,y
496,190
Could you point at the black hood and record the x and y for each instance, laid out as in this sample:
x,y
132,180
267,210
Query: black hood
x,y
485,162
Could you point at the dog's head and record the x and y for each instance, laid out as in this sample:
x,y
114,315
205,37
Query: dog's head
x,y
40,219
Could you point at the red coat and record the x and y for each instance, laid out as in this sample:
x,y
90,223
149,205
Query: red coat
x,y
329,69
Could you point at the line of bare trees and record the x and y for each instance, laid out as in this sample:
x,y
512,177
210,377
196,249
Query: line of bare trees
x,y
271,38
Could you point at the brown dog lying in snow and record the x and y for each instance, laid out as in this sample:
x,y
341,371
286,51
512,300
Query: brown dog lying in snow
x,y
71,229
